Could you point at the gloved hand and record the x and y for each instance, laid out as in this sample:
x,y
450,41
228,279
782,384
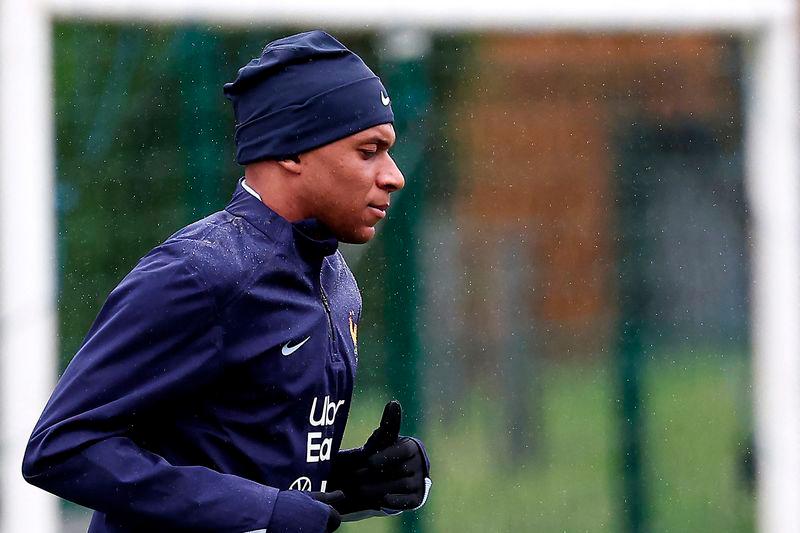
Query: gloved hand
x,y
387,475
330,499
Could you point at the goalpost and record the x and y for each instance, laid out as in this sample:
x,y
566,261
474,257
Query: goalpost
x,y
27,198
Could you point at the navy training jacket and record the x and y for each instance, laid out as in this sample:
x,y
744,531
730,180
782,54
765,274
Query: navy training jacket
x,y
218,372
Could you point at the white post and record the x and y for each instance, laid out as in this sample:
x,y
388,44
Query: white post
x,y
772,178
27,315
27,258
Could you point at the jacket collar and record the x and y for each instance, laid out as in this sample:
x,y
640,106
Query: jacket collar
x,y
311,237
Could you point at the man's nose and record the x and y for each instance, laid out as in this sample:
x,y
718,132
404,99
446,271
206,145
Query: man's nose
x,y
391,178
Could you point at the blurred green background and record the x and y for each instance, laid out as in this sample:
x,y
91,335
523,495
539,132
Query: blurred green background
x,y
559,297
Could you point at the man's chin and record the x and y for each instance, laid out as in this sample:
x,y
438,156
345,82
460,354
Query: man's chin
x,y
360,236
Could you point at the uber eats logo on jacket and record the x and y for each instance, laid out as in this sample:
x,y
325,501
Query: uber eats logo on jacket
x,y
317,448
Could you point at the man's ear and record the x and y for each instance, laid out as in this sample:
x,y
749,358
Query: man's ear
x,y
291,164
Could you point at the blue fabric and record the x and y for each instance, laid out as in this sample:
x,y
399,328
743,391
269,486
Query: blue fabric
x,y
304,91
296,512
180,411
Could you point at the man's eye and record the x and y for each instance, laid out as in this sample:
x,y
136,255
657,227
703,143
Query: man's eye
x,y
369,153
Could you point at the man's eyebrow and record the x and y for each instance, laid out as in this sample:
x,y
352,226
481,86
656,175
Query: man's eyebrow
x,y
380,141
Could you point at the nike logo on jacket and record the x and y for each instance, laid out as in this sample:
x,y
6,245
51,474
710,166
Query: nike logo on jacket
x,y
289,350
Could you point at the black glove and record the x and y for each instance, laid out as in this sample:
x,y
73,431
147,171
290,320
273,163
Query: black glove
x,y
331,499
396,472
388,474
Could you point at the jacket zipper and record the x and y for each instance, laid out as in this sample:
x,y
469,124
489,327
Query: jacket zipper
x,y
331,342
327,307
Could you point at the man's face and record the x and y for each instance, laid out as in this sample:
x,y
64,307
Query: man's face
x,y
347,183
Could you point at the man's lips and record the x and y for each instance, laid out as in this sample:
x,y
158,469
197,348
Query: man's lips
x,y
379,210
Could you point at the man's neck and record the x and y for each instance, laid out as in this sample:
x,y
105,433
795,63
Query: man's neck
x,y
275,195
251,190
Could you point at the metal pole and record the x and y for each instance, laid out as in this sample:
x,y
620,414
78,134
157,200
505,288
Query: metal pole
x,y
404,75
27,255
201,93
632,197
772,107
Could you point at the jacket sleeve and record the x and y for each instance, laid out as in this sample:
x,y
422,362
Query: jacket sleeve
x,y
156,341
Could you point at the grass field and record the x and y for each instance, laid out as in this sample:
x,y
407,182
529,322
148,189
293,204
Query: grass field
x,y
697,415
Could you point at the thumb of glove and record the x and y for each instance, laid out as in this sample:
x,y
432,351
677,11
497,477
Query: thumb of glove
x,y
389,430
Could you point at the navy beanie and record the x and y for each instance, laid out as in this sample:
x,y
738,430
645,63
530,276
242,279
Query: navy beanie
x,y
305,91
